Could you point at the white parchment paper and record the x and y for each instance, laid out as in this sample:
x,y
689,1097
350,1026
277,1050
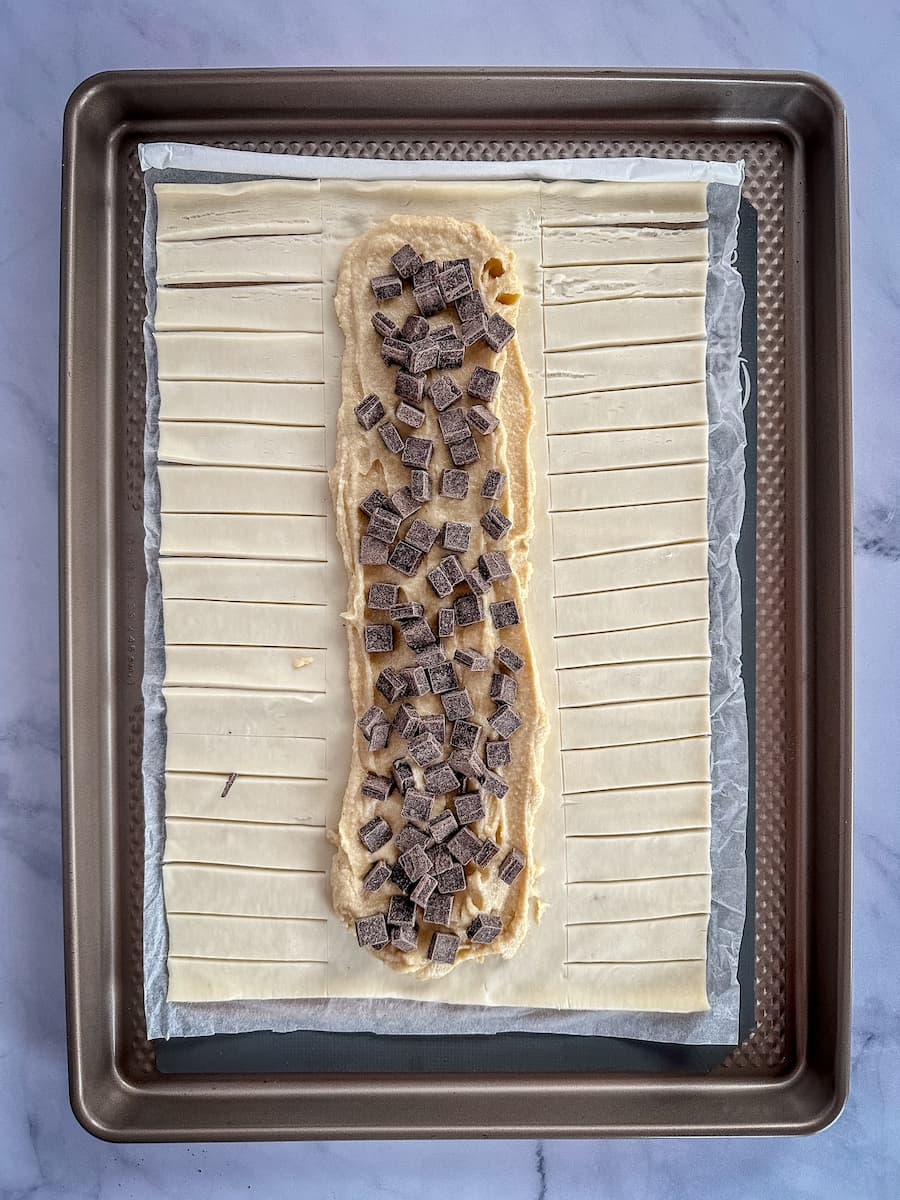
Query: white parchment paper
x,y
177,162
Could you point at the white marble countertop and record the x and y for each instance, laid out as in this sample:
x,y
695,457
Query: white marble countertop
x,y
46,48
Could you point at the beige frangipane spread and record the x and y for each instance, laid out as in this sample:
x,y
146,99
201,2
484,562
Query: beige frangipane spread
x,y
611,327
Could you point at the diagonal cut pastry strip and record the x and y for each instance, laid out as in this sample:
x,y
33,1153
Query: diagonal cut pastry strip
x,y
363,463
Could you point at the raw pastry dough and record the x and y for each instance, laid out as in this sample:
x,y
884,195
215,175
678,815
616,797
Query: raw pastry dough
x,y
241,260
272,306
241,400
256,357
243,490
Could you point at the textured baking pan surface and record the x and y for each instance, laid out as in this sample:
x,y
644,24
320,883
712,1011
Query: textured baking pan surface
x,y
790,1072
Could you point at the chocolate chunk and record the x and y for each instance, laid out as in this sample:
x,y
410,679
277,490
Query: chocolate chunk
x,y
400,879
482,420
495,523
409,836
372,932
426,749
416,805
410,386
452,569
406,261
407,612
486,928
505,720
443,392
442,332
425,274
454,484
415,862
498,332
384,525
442,586
422,535
494,785
464,845
404,503
417,452
405,937
509,659
441,860
473,330
376,787
440,779
454,282
414,328
405,558
383,325
469,808
431,656
406,722
401,911
456,535
417,633
382,596
451,353
371,717
386,287
474,660
494,485
442,677
372,552
478,585
423,356
423,890
390,435
378,639
470,306
497,754
446,622
489,850
434,723
503,689
429,300
377,877
504,614
391,684
369,411
452,880
454,426
469,610
466,266
483,384
457,704
376,499
381,736
465,735
494,565
420,485
375,834
467,764
401,770
464,453
394,351
416,681
439,909
512,866
409,415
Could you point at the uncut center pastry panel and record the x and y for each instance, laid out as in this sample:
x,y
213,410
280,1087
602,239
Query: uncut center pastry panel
x,y
614,279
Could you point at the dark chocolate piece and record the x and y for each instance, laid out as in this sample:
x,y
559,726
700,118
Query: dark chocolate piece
x,y
409,836
494,565
443,392
465,735
387,287
466,266
405,937
384,524
469,610
401,911
425,274
423,890
439,909
434,723
494,485
426,749
417,805
497,754
372,552
409,415
416,681
452,569
504,614
414,328
406,722
512,866
467,764
454,426
371,717
495,523
454,484
406,261
429,300
391,684
417,452
405,558
381,736
473,329
372,932
410,386
464,453
424,355
441,332
446,622
457,704
469,808
376,499
486,928
400,879
464,845
369,411
440,779
494,785
454,282
441,860
451,353
478,585
415,862
378,639
375,834
442,677
489,851
375,879
509,659
457,536
376,787
383,596
431,656
482,420
401,770
474,660
407,612
403,502
417,633
498,332
470,306
452,880
505,720
442,586
391,437
394,351
483,384
503,689
420,485
422,535
383,325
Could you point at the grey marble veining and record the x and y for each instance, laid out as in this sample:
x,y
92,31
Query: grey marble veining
x,y
46,48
